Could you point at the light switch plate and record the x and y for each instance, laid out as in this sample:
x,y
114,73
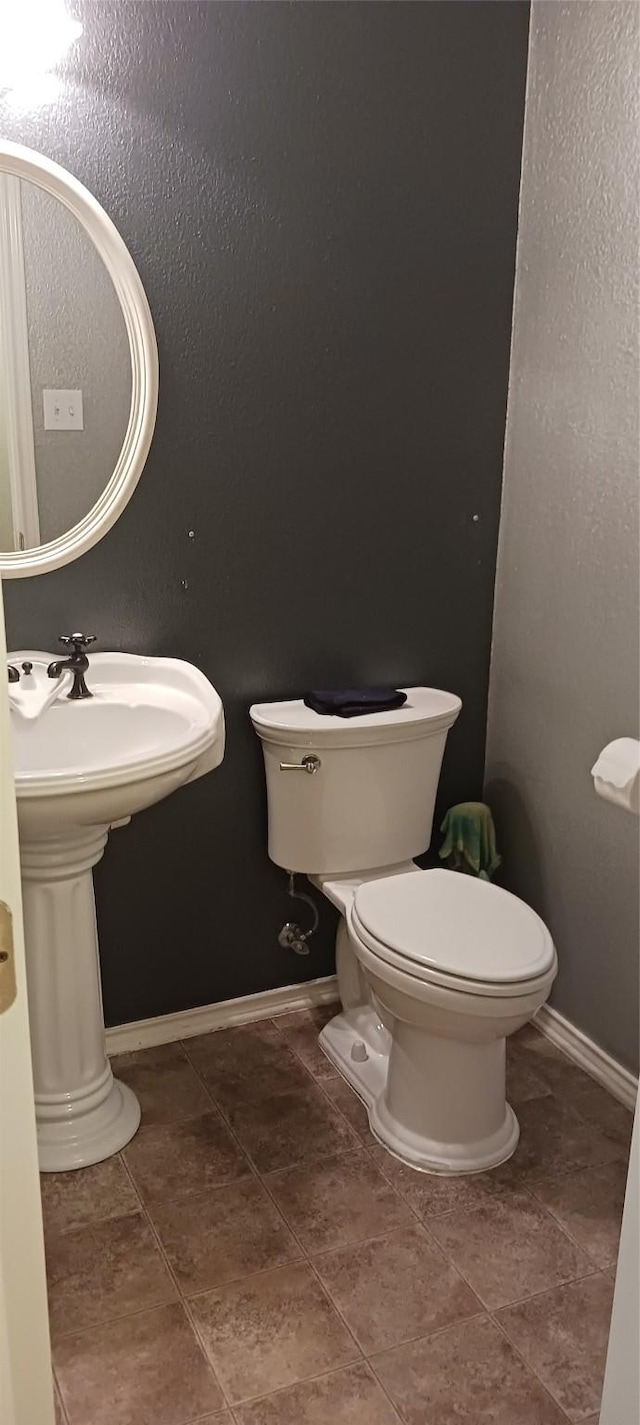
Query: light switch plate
x,y
63,410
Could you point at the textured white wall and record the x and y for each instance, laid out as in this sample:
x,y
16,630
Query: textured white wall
x,y
564,673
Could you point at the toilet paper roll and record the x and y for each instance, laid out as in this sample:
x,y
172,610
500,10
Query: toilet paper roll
x,y
616,773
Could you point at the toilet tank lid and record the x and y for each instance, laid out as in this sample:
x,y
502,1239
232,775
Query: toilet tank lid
x,y
426,710
464,926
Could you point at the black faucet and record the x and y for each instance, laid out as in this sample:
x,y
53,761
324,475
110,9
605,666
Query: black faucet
x,y
77,663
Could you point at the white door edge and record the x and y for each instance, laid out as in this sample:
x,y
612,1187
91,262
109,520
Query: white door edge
x,y
26,1392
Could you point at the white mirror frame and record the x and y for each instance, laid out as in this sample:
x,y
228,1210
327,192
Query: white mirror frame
x,y
25,163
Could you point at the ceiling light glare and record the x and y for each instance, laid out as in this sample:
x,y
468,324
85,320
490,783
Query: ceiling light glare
x,y
34,36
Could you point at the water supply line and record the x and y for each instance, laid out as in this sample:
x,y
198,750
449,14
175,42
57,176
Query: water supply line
x,y
292,936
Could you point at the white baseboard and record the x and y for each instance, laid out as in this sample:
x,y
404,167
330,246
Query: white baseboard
x,y
584,1051
146,1033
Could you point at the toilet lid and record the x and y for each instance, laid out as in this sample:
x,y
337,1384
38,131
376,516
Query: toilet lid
x,y
451,922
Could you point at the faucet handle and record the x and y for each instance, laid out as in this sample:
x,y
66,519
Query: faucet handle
x,y
79,640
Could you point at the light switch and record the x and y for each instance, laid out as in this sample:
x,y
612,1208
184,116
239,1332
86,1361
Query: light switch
x,y
62,410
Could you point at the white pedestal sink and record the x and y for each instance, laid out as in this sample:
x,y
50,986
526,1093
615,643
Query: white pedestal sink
x,y
151,725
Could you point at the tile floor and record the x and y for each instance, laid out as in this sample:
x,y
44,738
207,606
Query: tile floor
x,y
254,1257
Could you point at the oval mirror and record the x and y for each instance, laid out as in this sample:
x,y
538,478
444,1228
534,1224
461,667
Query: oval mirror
x,y
78,367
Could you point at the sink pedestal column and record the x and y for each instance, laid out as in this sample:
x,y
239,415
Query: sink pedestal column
x,y
83,1114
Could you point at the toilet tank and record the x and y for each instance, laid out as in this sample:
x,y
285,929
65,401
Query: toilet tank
x,y
369,802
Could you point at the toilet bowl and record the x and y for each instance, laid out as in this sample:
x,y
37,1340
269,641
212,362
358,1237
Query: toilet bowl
x,y
453,965
435,969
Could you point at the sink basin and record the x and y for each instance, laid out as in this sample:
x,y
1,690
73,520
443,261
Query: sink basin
x,y
151,725
81,768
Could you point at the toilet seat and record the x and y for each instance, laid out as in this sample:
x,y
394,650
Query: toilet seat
x,y
455,931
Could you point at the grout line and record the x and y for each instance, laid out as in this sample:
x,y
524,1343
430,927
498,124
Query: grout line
x,y
362,1143
419,1222
338,1310
232,1132
582,1078
296,1162
309,1164
184,1118
429,1335
213,1415
134,1056
297,1055
53,1234
520,1300
424,1222
598,1266
181,1299
284,1043
382,1387
303,1261
128,1173
318,1083
546,1291
306,1164
332,1303
425,1218
309,1263
304,1380
526,1188
621,1151
422,1336
527,1364
109,1320
442,1330
426,1336
332,1073
234,1281
57,1392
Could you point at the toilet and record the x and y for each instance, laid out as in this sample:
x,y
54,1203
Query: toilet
x,y
435,968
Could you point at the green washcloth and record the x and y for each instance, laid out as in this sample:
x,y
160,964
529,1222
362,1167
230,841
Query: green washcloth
x,y
470,840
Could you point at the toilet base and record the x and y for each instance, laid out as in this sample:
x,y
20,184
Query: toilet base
x,y
359,1046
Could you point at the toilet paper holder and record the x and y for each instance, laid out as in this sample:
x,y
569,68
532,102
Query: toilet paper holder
x,y
616,774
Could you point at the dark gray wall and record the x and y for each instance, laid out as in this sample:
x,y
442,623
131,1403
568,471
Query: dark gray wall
x,y
322,202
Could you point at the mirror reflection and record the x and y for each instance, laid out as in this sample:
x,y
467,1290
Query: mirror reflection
x,y
65,368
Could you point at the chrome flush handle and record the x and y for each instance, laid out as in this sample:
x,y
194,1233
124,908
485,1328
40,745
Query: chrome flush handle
x,y
309,764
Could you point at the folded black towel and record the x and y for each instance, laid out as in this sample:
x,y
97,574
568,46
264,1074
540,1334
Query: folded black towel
x,y
353,702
